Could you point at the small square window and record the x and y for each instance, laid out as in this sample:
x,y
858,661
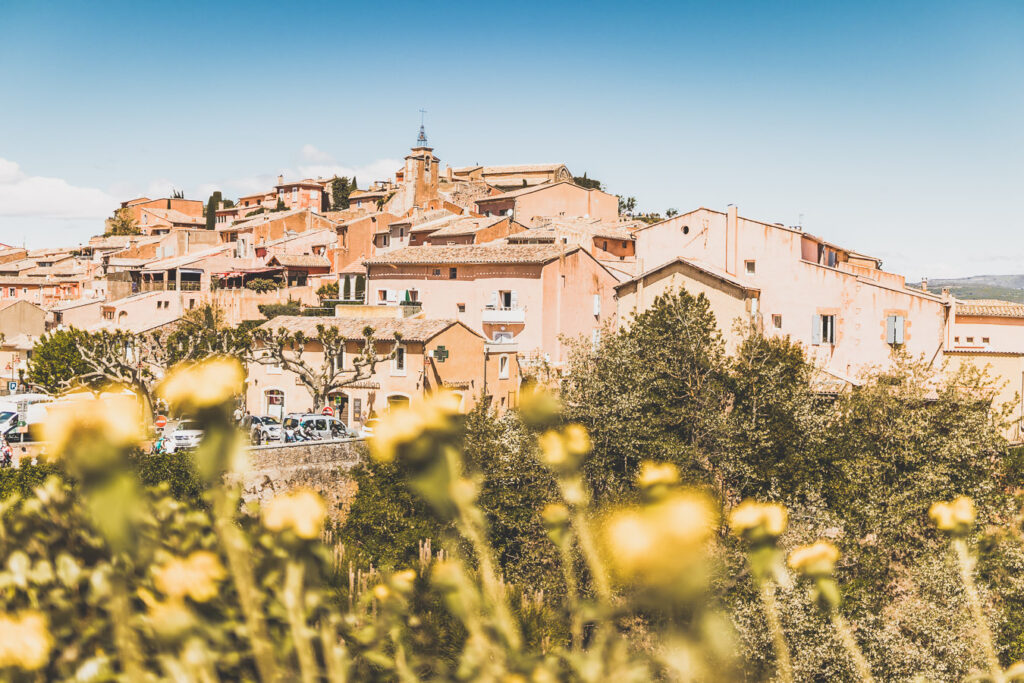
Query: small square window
x,y
462,308
984,340
970,340
437,272
453,273
956,339
751,267
777,321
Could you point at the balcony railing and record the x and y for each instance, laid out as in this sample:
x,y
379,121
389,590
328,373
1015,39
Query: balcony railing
x,y
504,314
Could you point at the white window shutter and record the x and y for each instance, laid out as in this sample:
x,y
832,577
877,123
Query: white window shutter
x,y
890,329
900,322
515,299
494,300
597,304
816,329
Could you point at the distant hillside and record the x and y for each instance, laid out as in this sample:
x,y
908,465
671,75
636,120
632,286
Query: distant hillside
x,y
1005,287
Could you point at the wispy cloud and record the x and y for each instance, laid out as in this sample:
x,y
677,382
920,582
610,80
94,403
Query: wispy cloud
x,y
25,195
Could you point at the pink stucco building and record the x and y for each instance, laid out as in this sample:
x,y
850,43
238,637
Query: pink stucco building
x,y
848,313
530,295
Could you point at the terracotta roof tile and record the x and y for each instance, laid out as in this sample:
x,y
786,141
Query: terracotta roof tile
x,y
299,261
411,329
492,252
990,307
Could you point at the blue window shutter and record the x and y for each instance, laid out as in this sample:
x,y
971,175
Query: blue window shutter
x,y
899,328
890,329
815,329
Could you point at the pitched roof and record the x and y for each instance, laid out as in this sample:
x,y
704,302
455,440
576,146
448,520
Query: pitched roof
x,y
527,190
467,225
175,216
515,168
185,259
327,236
990,308
411,329
259,219
696,264
491,252
299,261
307,182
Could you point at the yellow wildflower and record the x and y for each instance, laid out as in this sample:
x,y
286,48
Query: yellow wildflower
x,y
817,560
657,474
956,517
381,592
555,515
577,440
170,619
537,405
553,449
195,576
25,641
195,386
302,510
755,520
403,581
402,426
112,419
660,542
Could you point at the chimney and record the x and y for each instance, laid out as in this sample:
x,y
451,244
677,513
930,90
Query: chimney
x,y
280,180
924,284
731,235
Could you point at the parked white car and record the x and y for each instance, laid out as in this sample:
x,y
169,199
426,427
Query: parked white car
x,y
186,434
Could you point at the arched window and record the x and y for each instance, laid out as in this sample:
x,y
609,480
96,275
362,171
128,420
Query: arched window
x,y
397,401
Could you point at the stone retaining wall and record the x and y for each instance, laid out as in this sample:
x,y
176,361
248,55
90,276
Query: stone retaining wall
x,y
321,466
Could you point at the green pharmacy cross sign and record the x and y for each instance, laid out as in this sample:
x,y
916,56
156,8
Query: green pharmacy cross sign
x,y
440,354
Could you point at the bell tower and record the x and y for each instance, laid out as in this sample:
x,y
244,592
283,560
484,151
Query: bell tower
x,y
422,170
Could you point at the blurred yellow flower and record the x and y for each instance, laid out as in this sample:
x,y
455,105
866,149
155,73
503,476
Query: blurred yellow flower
x,y
113,419
577,440
657,474
817,560
537,405
555,515
404,425
657,543
170,618
403,581
754,520
381,592
301,510
25,641
195,386
553,450
957,516
196,576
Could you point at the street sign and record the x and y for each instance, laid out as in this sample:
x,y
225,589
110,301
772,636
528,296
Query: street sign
x,y
160,422
12,386
328,411
23,416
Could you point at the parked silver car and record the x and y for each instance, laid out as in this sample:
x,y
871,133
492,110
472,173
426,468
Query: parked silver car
x,y
319,426
262,428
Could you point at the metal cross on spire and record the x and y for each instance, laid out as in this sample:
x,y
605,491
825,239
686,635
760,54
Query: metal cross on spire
x,y
421,141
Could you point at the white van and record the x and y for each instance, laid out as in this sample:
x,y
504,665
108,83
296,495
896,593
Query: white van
x,y
34,405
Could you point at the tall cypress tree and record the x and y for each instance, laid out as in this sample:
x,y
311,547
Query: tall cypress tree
x,y
211,210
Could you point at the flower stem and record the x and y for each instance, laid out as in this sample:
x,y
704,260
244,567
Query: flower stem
x,y
335,654
124,637
771,611
297,621
572,593
237,551
852,648
966,563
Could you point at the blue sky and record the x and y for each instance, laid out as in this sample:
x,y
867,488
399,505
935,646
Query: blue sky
x,y
896,129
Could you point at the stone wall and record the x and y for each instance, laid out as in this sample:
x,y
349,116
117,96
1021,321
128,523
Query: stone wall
x,y
322,466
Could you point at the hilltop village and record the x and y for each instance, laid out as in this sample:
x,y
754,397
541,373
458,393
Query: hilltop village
x,y
483,273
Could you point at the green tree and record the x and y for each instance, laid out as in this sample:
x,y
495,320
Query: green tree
x,y
271,311
340,190
177,194
589,183
627,205
327,291
212,204
669,213
280,206
262,284
56,363
122,223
